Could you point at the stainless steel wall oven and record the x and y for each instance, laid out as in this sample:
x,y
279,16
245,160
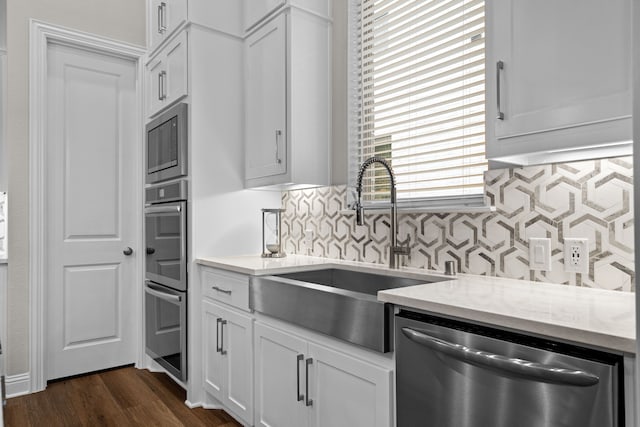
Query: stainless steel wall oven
x,y
166,276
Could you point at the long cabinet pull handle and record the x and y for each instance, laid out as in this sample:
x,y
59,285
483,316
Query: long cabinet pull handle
x,y
160,19
218,346
278,134
163,92
162,209
224,291
299,396
308,402
163,20
222,350
499,68
518,367
163,295
160,86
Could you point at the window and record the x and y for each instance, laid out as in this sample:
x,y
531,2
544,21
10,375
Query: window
x,y
418,95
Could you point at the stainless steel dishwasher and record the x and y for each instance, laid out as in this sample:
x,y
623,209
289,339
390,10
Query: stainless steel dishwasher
x,y
454,374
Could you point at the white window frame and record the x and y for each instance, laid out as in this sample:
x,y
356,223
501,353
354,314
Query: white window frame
x,y
461,203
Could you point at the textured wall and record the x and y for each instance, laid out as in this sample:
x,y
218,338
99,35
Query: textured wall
x,y
591,199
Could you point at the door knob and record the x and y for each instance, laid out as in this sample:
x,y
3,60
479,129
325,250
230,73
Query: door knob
x,y
128,251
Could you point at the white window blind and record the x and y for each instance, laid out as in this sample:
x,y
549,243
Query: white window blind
x,y
418,97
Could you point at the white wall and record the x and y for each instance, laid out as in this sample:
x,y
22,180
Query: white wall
x,y
3,74
123,20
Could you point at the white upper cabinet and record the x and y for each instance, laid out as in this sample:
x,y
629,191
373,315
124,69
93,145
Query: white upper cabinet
x,y
165,16
255,10
287,71
267,107
558,79
167,77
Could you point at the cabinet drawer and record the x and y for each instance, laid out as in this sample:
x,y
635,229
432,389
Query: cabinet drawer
x,y
225,286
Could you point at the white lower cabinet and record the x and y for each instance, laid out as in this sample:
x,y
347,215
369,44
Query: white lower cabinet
x,y
302,383
228,358
279,378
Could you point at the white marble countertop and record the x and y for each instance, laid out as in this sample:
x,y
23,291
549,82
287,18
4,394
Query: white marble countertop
x,y
592,317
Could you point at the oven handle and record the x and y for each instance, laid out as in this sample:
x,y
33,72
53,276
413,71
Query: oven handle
x,y
162,209
163,295
522,368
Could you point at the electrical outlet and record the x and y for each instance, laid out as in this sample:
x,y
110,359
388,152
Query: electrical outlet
x,y
576,255
540,254
308,240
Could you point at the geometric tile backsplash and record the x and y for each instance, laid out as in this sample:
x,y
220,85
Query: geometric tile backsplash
x,y
589,199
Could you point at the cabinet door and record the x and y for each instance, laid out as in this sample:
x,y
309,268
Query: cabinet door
x,y
176,14
156,27
228,358
279,378
213,360
165,16
566,64
347,391
176,69
154,91
266,144
237,350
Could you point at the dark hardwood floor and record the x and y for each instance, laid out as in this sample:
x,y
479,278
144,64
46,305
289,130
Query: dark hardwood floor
x,y
118,397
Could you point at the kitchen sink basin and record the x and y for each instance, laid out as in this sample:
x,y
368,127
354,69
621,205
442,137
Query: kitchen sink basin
x,y
337,302
355,281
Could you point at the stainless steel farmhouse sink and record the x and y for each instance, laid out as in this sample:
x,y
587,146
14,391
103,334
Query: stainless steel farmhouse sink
x,y
337,302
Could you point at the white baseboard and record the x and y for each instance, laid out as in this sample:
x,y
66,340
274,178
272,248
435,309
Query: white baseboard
x,y
193,405
18,385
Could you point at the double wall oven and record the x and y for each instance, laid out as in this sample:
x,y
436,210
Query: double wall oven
x,y
166,240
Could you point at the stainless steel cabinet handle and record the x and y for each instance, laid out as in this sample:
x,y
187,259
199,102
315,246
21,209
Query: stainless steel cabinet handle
x,y
308,402
164,296
499,68
299,396
521,368
224,291
162,209
128,251
218,346
278,159
222,350
160,86
162,78
162,18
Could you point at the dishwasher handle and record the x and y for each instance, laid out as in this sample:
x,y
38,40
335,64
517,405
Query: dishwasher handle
x,y
522,368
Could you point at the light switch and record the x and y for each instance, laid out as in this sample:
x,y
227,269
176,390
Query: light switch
x,y
540,254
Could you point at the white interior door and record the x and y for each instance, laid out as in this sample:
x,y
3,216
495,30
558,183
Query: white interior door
x,y
91,211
